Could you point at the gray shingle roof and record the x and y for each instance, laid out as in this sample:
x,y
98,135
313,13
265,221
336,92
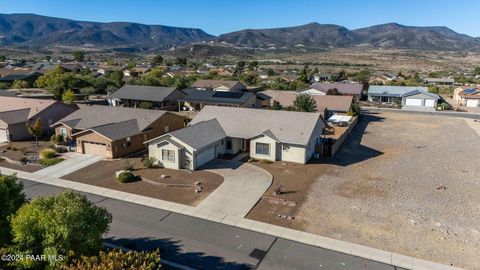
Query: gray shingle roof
x,y
343,88
15,116
393,91
112,122
145,93
213,83
216,97
201,134
287,126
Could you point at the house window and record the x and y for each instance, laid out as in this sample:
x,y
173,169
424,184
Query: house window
x,y
285,147
166,129
168,155
262,149
229,144
63,132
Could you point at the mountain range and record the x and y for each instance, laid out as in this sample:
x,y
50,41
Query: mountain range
x,y
30,30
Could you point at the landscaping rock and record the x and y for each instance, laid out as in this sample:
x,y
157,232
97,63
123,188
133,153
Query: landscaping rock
x,y
198,189
197,183
164,176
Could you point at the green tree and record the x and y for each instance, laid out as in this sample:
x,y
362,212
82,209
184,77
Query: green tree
x,y
11,198
433,89
130,65
270,72
78,56
34,127
116,77
117,259
180,61
17,84
4,85
304,103
3,58
146,105
277,106
88,90
157,60
239,68
253,65
66,224
68,97
56,81
304,75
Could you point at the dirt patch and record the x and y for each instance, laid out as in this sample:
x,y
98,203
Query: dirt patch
x,y
173,188
296,180
24,149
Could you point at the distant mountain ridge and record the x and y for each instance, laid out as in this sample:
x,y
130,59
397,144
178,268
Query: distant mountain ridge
x,y
30,30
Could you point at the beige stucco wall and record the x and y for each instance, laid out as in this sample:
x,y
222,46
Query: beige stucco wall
x,y
294,153
156,152
263,139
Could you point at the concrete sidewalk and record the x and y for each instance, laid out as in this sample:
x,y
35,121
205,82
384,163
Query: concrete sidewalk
x,y
241,222
73,162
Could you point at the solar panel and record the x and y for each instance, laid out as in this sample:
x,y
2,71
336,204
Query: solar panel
x,y
470,91
227,95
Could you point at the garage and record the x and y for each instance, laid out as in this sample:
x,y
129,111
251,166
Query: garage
x,y
413,102
205,156
429,102
472,103
96,149
3,135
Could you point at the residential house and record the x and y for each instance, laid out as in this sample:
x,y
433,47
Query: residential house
x,y
197,99
420,101
439,81
391,94
15,112
28,76
470,98
326,105
114,132
346,89
264,134
163,98
219,85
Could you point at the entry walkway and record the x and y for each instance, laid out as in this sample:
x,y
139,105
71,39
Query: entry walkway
x,y
73,162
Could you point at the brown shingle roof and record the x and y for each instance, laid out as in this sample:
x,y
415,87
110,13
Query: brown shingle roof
x,y
213,83
15,103
333,103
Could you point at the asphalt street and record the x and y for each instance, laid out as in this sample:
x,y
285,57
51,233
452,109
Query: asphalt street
x,y
204,244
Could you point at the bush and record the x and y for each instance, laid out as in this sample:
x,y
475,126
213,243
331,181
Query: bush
x,y
149,162
265,161
24,160
50,161
47,154
127,177
61,149
55,139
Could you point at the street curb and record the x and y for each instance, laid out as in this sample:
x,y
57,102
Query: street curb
x,y
361,251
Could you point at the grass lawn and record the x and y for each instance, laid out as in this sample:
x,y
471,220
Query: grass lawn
x,y
178,187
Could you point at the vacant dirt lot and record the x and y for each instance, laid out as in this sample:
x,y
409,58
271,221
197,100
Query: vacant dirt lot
x,y
404,183
178,187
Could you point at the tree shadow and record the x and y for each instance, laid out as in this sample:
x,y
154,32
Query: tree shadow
x,y
352,151
172,250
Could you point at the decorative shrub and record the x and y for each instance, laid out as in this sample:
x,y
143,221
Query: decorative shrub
x,y
50,161
55,139
61,149
47,154
149,162
127,177
24,160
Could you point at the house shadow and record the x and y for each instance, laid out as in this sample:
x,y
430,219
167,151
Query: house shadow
x,y
352,150
172,251
221,164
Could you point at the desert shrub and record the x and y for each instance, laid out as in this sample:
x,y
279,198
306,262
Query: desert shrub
x,y
57,139
149,162
14,148
127,177
24,160
265,161
50,161
47,154
9,147
279,189
61,149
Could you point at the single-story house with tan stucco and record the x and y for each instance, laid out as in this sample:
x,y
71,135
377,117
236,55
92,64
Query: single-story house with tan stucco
x,y
264,134
15,112
114,132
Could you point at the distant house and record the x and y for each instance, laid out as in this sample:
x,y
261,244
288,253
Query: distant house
x,y
326,105
439,81
20,75
197,99
420,101
289,78
15,112
469,97
391,94
219,85
164,98
114,132
264,134
348,89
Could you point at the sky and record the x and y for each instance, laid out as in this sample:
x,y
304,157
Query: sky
x,y
223,16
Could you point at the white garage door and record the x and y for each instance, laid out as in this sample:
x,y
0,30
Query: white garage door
x,y
429,103
96,149
472,103
3,135
413,102
205,156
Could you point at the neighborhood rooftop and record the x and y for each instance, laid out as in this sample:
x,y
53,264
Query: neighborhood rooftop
x,y
344,88
90,116
218,97
213,83
34,106
286,126
143,93
334,103
394,91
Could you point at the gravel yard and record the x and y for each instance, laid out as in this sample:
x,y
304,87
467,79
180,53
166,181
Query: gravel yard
x,y
406,183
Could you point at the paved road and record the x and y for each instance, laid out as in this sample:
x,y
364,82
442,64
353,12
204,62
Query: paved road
x,y
242,187
204,244
73,162
369,110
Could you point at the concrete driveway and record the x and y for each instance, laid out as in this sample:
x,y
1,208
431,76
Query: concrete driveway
x,y
73,162
243,185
